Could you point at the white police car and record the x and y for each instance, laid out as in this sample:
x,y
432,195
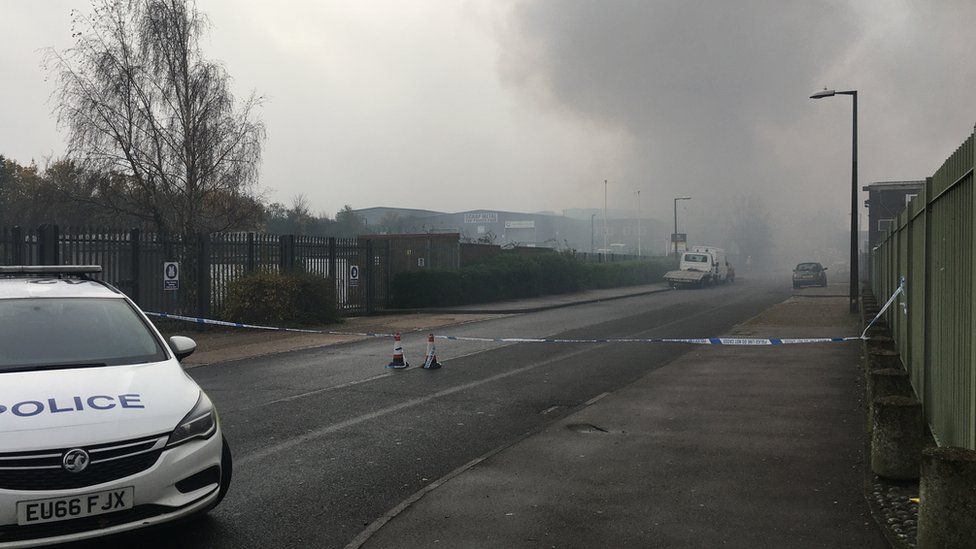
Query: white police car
x,y
101,431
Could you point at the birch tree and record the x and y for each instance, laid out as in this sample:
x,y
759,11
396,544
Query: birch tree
x,y
145,108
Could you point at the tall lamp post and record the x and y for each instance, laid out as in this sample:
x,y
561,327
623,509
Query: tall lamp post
x,y
674,236
592,247
854,224
638,225
606,235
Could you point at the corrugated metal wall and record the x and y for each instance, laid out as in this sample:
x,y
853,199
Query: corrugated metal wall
x,y
933,246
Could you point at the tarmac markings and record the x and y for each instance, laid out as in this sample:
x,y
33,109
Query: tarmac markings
x,y
285,445
299,440
361,381
596,398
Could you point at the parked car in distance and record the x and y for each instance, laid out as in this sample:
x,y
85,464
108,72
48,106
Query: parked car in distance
x,y
809,274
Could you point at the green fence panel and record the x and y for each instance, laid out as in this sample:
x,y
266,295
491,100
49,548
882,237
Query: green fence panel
x,y
916,298
932,244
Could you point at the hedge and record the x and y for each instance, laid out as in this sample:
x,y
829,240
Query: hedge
x,y
512,277
281,299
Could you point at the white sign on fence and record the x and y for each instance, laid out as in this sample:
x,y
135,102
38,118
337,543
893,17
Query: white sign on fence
x,y
354,275
171,275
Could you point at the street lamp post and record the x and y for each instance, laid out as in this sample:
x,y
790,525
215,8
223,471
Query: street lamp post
x,y
606,235
592,247
638,225
854,224
674,236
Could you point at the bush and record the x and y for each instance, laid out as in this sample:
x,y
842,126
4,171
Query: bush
x,y
513,276
281,299
626,273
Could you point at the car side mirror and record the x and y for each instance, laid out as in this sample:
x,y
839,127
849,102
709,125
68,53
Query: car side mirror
x,y
825,268
182,346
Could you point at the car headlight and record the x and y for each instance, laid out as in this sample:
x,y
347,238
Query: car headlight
x,y
201,422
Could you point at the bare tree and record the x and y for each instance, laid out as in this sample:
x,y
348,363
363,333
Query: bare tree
x,y
156,120
302,212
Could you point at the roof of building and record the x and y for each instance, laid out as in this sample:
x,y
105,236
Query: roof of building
x,y
395,236
405,212
894,185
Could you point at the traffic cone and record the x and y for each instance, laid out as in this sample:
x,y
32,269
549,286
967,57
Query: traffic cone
x,y
430,361
398,362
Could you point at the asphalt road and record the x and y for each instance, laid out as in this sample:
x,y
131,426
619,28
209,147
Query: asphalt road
x,y
327,440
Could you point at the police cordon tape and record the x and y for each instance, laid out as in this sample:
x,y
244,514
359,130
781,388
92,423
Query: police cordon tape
x,y
898,291
734,341
694,341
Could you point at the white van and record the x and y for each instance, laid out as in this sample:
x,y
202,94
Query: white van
x,y
720,264
701,266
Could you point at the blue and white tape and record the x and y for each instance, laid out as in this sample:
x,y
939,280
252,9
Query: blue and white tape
x,y
730,341
211,322
733,341
898,291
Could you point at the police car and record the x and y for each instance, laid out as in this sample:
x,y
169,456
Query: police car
x,y
101,431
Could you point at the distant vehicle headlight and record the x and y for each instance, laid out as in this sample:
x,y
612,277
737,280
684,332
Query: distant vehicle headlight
x,y
201,422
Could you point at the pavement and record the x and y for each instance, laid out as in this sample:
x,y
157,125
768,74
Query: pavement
x,y
721,447
548,302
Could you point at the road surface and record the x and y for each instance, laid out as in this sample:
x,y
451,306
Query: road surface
x,y
327,440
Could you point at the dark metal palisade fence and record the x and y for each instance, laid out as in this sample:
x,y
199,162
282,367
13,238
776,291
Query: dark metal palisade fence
x,y
132,260
932,245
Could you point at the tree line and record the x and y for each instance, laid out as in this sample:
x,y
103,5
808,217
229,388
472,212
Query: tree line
x,y
62,192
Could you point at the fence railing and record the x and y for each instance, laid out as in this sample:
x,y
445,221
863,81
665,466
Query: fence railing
x,y
932,246
588,257
132,260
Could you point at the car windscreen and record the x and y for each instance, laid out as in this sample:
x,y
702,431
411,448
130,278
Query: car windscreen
x,y
45,333
696,258
808,267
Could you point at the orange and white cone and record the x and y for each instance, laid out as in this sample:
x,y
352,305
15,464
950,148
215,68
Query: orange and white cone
x,y
430,361
398,363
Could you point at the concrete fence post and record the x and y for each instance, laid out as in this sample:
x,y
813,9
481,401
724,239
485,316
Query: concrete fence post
x,y
887,382
880,358
879,328
896,437
947,494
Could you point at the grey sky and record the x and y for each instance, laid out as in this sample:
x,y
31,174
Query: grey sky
x,y
529,105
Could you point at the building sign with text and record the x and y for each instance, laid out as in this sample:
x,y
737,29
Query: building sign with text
x,y
475,218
